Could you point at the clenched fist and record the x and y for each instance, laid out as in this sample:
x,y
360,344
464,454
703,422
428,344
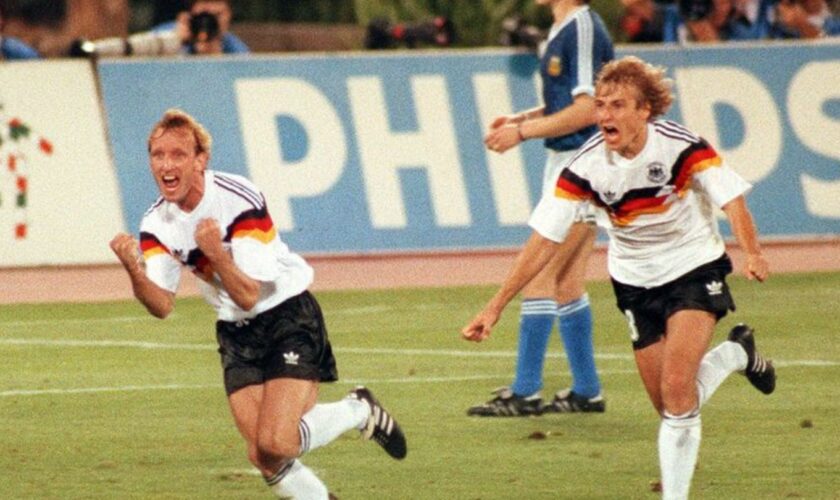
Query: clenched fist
x,y
208,237
127,250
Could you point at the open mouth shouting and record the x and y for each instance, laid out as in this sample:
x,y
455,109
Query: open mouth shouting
x,y
170,182
611,134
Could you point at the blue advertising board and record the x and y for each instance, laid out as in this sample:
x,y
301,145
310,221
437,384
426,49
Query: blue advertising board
x,y
383,152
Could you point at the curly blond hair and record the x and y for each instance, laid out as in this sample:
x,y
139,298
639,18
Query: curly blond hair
x,y
175,118
650,82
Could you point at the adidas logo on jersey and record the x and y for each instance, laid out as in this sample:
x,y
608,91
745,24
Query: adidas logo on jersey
x,y
714,287
291,357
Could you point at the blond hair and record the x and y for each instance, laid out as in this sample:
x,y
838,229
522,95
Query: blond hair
x,y
174,119
651,84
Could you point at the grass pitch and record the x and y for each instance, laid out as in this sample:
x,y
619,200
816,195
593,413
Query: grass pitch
x,y
103,401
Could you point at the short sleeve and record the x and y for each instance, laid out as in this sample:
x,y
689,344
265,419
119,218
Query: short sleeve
x,y
722,184
553,217
161,266
254,241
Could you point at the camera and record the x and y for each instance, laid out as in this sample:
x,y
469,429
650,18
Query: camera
x,y
381,34
148,43
695,10
517,33
204,26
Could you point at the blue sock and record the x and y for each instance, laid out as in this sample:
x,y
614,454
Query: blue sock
x,y
576,332
536,321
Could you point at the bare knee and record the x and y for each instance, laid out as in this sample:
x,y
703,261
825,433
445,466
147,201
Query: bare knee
x,y
679,395
569,292
271,449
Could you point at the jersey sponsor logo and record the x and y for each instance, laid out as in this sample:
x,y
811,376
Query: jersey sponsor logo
x,y
555,66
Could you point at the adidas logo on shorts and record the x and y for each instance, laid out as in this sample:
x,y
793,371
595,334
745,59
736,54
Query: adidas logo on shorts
x,y
714,287
291,357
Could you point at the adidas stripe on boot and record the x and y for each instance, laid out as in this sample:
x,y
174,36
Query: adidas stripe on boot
x,y
381,426
760,371
508,404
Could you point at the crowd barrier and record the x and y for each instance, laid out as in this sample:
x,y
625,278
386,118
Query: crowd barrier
x,y
370,153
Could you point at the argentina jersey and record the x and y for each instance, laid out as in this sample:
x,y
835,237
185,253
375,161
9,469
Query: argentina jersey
x,y
575,51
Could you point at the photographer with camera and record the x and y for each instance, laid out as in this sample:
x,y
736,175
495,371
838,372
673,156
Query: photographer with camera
x,y
204,29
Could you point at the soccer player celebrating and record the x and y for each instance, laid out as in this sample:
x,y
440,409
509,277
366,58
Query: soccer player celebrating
x,y
272,336
657,182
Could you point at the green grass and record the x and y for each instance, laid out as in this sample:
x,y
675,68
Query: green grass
x,y
101,401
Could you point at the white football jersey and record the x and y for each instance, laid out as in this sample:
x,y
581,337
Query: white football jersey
x,y
660,203
248,233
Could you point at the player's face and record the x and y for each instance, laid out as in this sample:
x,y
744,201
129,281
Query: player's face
x,y
621,119
177,168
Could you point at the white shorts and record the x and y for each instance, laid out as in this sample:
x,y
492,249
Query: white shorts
x,y
554,164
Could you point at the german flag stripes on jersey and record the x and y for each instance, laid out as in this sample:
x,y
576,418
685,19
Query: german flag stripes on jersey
x,y
659,203
167,243
645,199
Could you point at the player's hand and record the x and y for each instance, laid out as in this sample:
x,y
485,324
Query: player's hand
x,y
126,249
208,237
503,120
756,267
503,138
182,26
480,327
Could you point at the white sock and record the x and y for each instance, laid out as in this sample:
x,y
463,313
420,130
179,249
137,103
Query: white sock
x,y
715,366
297,481
325,422
679,443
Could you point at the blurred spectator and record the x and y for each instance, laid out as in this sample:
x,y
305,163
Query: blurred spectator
x,y
13,48
755,20
204,28
727,20
642,21
807,18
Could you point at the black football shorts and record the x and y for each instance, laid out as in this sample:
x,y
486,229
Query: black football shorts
x,y
287,341
648,309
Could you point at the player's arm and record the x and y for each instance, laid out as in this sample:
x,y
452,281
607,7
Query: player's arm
x,y
516,118
741,221
158,302
578,115
243,290
532,258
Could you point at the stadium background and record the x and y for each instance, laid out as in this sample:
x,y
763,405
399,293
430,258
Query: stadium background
x,y
373,163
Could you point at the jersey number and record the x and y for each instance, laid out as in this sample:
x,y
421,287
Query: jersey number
x,y
631,322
